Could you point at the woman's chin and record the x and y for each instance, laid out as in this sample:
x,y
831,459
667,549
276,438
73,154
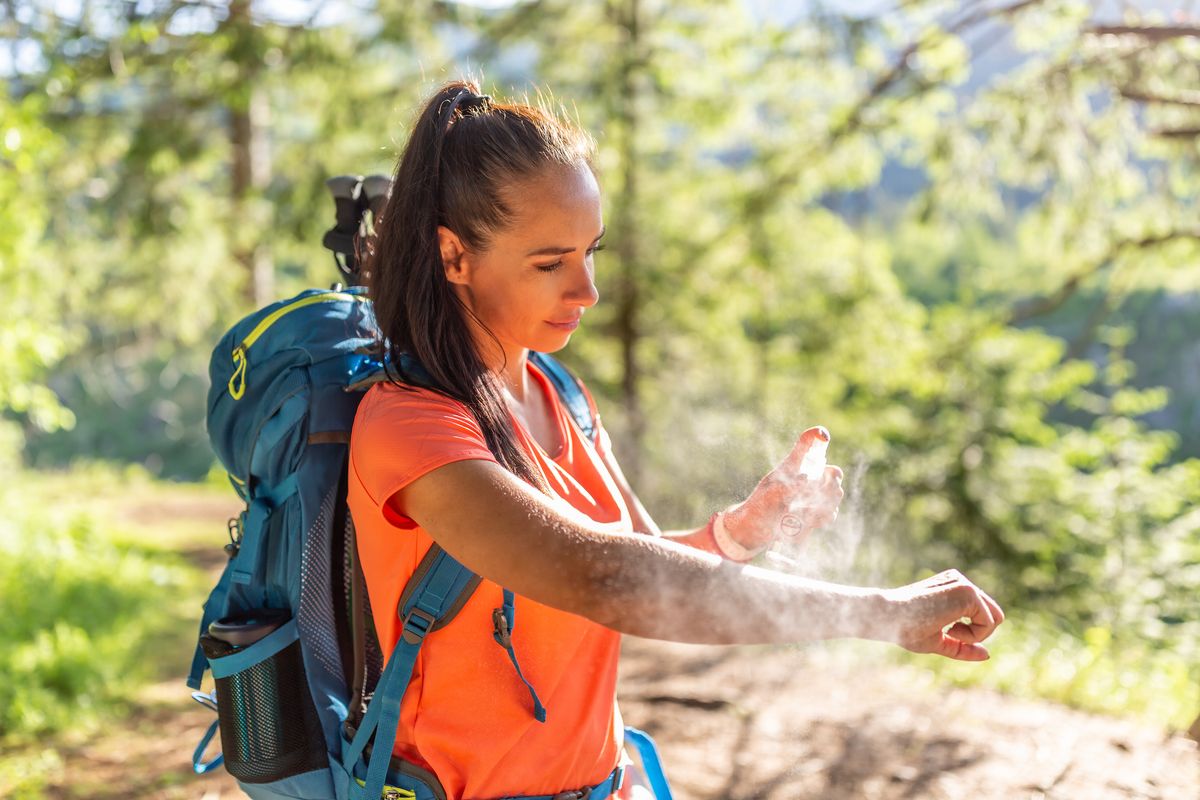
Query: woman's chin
x,y
551,344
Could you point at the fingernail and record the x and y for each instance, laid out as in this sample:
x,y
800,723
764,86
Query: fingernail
x,y
822,433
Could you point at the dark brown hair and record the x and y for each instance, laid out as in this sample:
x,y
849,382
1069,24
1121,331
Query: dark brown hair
x,y
463,150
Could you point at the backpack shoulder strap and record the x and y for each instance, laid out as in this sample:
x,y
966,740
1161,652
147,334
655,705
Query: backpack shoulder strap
x,y
570,392
435,595
569,388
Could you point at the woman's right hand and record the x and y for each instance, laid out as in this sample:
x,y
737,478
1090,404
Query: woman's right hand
x,y
927,616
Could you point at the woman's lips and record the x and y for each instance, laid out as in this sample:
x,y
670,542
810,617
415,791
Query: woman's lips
x,y
569,325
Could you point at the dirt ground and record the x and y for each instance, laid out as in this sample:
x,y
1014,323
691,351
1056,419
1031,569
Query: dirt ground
x,y
785,724
770,723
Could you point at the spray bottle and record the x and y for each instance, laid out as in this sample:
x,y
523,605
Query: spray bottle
x,y
812,467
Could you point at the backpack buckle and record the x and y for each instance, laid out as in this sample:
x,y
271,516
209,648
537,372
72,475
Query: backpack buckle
x,y
235,536
574,794
417,623
503,635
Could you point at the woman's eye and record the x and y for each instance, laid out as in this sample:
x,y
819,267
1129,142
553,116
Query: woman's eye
x,y
557,264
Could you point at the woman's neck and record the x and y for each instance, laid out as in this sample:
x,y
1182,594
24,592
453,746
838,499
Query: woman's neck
x,y
511,366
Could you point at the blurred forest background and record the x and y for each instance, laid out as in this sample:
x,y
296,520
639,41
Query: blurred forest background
x,y
963,236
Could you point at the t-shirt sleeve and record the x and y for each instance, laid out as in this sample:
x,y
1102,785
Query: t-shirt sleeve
x,y
401,434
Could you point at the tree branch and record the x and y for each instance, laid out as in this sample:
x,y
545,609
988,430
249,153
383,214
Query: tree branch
x,y
902,64
1175,133
1155,33
1037,307
1190,99
759,200
1078,346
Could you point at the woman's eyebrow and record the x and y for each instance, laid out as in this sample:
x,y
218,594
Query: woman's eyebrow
x,y
561,251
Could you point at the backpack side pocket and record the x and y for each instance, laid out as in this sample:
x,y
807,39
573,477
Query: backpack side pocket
x,y
269,726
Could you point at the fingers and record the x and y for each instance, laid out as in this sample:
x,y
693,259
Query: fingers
x,y
981,616
961,651
807,519
993,606
968,633
984,612
803,443
960,614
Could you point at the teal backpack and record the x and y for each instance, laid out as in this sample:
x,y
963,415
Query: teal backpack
x,y
303,708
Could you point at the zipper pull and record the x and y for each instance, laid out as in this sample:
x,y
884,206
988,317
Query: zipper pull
x,y
237,381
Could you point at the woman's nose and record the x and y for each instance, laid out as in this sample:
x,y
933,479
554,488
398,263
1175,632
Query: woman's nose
x,y
583,289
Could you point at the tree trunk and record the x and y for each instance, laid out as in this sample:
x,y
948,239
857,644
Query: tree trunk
x,y
249,114
628,289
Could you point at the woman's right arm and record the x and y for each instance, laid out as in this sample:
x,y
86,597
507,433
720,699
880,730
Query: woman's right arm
x,y
503,529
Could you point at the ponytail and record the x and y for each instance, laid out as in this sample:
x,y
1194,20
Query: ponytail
x,y
462,150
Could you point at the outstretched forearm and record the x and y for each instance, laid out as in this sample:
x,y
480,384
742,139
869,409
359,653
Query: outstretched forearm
x,y
664,590
643,585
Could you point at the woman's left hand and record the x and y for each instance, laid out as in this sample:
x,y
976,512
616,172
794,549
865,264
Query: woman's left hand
x,y
785,502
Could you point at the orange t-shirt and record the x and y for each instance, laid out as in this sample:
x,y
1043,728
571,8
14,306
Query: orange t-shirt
x,y
466,716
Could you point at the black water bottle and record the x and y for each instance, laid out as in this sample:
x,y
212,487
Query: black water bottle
x,y
269,726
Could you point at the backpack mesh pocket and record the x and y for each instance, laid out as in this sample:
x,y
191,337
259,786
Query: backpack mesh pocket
x,y
269,726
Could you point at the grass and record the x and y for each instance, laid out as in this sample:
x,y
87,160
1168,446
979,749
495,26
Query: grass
x,y
1034,658
1100,671
102,573
101,600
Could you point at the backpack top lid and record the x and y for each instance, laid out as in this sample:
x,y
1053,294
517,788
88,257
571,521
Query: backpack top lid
x,y
262,361
264,369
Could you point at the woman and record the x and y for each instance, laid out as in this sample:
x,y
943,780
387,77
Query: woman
x,y
483,254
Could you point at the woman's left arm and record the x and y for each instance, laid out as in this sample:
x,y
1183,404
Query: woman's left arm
x,y
783,502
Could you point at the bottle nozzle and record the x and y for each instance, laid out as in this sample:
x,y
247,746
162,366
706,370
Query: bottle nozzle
x,y
812,466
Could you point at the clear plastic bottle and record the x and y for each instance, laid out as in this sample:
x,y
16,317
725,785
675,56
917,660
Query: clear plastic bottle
x,y
812,466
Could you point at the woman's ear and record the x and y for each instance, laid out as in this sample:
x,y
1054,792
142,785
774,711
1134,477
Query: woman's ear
x,y
452,251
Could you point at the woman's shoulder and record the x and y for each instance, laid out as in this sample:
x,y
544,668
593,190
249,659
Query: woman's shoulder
x,y
402,432
392,415
388,403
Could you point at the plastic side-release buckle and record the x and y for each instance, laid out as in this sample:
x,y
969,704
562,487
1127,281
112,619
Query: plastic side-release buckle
x,y
575,794
417,624
501,632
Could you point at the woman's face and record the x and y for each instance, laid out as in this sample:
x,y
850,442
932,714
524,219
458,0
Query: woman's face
x,y
536,278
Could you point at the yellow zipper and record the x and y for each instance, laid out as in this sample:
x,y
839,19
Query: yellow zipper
x,y
391,792
237,381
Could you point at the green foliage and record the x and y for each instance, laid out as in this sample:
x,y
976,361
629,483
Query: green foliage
x,y
81,614
32,339
1099,671
970,338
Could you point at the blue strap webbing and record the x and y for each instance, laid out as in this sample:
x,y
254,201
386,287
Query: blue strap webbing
x,y
266,499
263,649
651,763
432,598
199,765
602,790
569,392
214,609
503,637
